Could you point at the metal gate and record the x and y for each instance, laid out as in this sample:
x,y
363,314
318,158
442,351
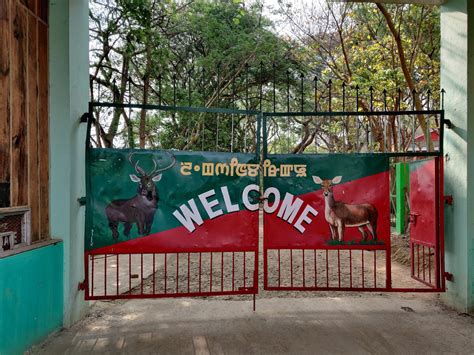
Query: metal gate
x,y
169,223
327,216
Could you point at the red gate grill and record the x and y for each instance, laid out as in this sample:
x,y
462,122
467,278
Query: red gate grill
x,y
115,276
327,269
424,264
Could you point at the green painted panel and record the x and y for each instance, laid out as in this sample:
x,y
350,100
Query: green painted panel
x,y
402,183
31,297
121,189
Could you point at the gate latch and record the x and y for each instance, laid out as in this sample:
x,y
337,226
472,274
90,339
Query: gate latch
x,y
81,286
448,199
413,217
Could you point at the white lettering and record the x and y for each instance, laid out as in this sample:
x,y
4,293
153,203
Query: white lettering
x,y
228,203
304,218
266,206
189,216
289,209
245,197
208,205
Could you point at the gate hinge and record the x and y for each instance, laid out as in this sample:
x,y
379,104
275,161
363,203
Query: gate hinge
x,y
81,286
82,201
84,117
448,276
448,199
448,123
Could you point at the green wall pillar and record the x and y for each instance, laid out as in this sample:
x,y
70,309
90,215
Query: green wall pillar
x,y
457,77
69,96
401,186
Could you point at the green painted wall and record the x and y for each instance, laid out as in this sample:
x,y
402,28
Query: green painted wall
x,y
401,184
457,77
69,78
31,297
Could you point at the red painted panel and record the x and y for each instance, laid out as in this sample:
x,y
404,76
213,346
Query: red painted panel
x,y
236,231
279,234
423,218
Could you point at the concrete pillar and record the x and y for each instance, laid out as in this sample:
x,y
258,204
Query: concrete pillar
x,y
457,77
69,76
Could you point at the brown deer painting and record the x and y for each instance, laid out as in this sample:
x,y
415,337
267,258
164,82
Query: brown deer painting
x,y
141,208
340,215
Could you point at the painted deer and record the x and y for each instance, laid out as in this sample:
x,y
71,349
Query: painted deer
x,y
141,208
340,215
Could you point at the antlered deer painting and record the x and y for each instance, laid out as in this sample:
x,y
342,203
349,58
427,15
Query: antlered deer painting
x,y
340,215
141,208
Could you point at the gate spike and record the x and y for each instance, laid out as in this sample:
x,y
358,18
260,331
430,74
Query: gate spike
x,y
261,84
343,96
385,99
330,94
288,90
399,91
428,93
302,91
357,97
414,99
160,78
174,90
274,89
442,98
315,93
371,90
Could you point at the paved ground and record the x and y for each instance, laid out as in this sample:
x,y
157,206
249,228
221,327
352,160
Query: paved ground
x,y
355,324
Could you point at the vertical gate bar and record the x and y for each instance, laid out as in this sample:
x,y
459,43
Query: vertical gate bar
x,y
418,259
291,267
429,264
105,276
245,270
166,276
304,282
255,274
338,268
279,268
200,269
154,274
117,274
412,256
210,277
177,272
424,274
363,272
92,276
189,269
129,272
350,268
141,274
233,270
222,271
327,268
315,270
375,268
388,267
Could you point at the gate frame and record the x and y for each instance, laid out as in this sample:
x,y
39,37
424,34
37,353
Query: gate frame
x,y
262,154
439,198
89,119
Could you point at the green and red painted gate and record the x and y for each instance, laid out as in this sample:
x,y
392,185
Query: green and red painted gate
x,y
168,223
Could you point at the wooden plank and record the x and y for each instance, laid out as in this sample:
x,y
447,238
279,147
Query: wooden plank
x,y
5,91
19,123
43,10
33,147
43,133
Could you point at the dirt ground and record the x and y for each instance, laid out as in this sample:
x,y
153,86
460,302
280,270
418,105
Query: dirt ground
x,y
355,324
284,321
